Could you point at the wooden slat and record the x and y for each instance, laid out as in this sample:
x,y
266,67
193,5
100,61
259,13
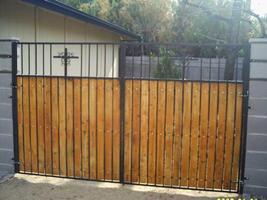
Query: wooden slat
x,y
160,131
108,129
20,123
177,133
70,128
152,131
194,143
212,134
220,136
238,127
229,136
33,124
100,130
26,123
136,131
186,134
144,131
85,129
62,126
168,154
92,128
204,114
116,130
77,128
55,123
128,130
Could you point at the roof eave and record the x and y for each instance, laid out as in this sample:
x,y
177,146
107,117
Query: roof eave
x,y
69,11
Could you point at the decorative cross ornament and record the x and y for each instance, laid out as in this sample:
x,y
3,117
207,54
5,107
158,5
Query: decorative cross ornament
x,y
65,59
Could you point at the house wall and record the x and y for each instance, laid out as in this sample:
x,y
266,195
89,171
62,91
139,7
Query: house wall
x,y
29,23
256,155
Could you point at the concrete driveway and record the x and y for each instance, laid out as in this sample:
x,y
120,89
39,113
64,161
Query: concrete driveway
x,y
31,187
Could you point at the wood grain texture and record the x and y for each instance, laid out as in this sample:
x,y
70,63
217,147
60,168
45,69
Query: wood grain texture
x,y
176,134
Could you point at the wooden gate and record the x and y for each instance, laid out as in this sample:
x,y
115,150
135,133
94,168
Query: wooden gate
x,y
133,127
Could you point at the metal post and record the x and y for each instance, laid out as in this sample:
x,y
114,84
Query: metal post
x,y
14,46
122,63
246,72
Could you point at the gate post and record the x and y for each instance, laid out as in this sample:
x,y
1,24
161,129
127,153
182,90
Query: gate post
x,y
122,62
245,107
14,104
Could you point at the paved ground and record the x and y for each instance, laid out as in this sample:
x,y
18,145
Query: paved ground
x,y
30,187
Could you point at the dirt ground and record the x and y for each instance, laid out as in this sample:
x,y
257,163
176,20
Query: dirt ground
x,y
31,187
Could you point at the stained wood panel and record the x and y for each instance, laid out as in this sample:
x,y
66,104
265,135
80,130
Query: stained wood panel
x,y
78,132
179,134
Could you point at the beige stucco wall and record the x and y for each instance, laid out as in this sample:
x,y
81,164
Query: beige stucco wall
x,y
28,23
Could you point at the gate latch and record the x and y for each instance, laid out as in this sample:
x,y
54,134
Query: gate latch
x,y
245,94
5,56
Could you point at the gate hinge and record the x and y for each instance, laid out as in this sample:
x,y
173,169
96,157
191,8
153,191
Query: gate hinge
x,y
14,86
245,95
15,162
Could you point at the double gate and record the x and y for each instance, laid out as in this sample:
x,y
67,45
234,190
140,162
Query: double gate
x,y
137,113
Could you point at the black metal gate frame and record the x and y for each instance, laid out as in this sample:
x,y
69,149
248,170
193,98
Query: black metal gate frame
x,y
122,78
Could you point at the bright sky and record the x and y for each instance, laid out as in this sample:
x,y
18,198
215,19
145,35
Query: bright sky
x,y
259,7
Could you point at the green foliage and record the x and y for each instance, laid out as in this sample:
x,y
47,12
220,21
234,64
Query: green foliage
x,y
170,20
166,68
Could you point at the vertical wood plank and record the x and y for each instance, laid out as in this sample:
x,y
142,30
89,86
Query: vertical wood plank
x,y
26,122
77,127
237,135
108,129
116,130
204,115
177,133
33,124
229,136
186,134
212,134
152,131
100,129
144,131
70,122
55,123
194,135
85,130
128,130
160,131
47,115
169,133
20,123
220,136
92,128
136,131
62,126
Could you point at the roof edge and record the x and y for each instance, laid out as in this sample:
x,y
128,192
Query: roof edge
x,y
64,9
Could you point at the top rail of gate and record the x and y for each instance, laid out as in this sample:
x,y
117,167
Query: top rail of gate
x,y
145,61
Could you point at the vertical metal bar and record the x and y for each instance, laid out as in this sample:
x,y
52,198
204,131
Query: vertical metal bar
x,y
242,155
140,111
51,109
104,128
96,113
36,97
22,102
29,101
208,132
14,47
81,110
122,108
89,132
65,62
148,116
112,111
199,118
131,150
217,122
43,96
182,119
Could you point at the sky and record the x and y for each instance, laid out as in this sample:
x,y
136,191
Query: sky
x,y
259,7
